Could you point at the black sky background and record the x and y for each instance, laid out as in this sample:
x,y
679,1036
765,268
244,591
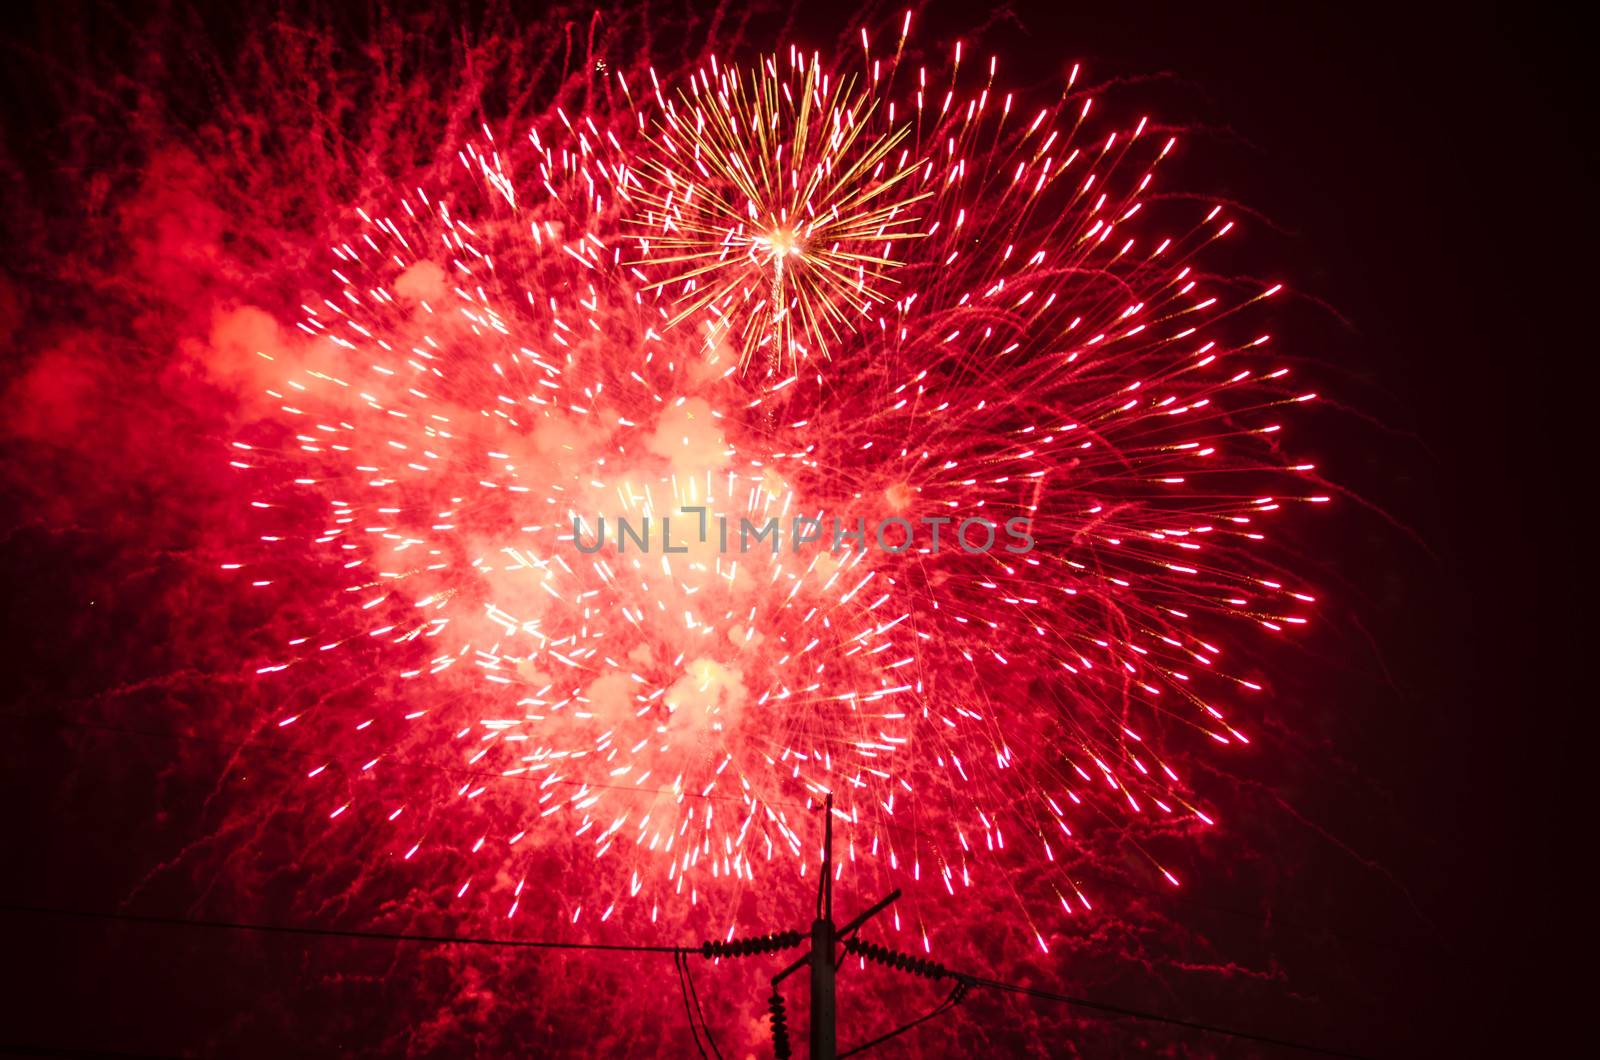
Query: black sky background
x,y
1423,181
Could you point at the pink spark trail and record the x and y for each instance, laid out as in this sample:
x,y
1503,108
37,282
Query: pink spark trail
x,y
855,289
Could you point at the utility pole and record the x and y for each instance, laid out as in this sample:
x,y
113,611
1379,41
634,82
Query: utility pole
x,y
824,1014
824,959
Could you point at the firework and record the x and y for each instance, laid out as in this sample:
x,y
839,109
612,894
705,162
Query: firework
x,y
773,204
1023,356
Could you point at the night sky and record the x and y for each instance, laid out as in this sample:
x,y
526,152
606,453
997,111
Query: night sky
x,y
1395,874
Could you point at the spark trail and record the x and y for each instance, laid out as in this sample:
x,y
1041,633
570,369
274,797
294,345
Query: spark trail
x,y
859,291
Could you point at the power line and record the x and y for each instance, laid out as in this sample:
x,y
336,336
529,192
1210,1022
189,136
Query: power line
x,y
683,990
342,933
687,988
1156,1017
688,976
964,981
1418,945
680,953
951,1000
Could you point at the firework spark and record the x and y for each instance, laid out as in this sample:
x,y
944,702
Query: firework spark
x,y
774,202
1019,341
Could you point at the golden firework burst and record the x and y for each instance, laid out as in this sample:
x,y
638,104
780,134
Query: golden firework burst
x,y
771,205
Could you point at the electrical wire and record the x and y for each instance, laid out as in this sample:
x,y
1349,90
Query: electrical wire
x,y
679,965
680,955
688,976
957,992
1414,945
1154,1017
903,962
680,952
343,933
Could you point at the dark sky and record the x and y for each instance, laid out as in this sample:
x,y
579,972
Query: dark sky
x,y
1423,179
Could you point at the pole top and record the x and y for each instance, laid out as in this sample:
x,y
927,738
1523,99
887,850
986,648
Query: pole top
x,y
825,885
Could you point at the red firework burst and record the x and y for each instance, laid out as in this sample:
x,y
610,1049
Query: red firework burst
x,y
1023,354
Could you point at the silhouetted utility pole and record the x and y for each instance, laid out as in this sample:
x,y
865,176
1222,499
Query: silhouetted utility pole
x,y
824,1013
824,959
